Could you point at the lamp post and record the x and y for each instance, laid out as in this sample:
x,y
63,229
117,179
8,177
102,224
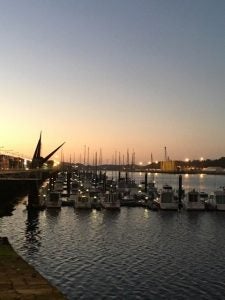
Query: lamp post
x,y
186,163
201,162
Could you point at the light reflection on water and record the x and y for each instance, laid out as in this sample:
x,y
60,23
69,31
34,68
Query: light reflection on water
x,y
133,253
201,182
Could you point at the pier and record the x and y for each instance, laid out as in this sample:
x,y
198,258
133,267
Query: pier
x,y
29,175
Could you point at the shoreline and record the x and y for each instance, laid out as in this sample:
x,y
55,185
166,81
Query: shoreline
x,y
19,280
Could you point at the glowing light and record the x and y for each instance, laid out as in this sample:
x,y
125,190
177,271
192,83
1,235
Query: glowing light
x,y
187,159
201,158
25,162
56,163
146,213
186,175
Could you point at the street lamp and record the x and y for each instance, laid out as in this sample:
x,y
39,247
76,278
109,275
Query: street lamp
x,y
186,163
201,162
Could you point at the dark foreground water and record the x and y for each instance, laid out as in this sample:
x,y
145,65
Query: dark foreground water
x,y
130,254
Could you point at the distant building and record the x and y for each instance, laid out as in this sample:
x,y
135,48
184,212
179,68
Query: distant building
x,y
11,162
168,165
4,162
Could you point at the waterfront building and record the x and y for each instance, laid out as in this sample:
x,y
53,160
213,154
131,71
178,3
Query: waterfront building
x,y
168,165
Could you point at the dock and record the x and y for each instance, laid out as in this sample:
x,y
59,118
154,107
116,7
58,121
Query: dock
x,y
19,280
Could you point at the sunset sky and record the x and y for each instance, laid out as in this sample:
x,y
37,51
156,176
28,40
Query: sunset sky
x,y
115,75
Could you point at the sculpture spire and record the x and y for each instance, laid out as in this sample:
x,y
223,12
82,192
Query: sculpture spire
x,y
38,160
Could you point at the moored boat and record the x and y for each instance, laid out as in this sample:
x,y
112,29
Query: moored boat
x,y
53,200
217,198
167,199
193,201
95,199
110,200
42,196
152,197
82,201
132,200
58,185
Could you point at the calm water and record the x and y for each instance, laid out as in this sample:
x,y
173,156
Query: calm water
x,y
201,182
131,254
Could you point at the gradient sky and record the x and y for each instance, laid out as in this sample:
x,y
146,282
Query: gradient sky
x,y
113,74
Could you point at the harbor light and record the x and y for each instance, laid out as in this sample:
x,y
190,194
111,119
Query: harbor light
x,y
55,163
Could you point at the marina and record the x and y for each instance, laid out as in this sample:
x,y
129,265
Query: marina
x,y
112,161
127,253
84,190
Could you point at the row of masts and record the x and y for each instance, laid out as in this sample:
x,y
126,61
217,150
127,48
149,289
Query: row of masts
x,y
97,158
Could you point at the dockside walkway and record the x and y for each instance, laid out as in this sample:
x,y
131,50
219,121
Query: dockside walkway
x,y
20,281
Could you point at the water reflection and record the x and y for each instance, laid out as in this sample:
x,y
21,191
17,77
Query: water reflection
x,y
128,254
146,213
110,216
52,215
10,194
32,233
7,204
96,217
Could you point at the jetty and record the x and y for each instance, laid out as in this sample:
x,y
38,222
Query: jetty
x,y
19,280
